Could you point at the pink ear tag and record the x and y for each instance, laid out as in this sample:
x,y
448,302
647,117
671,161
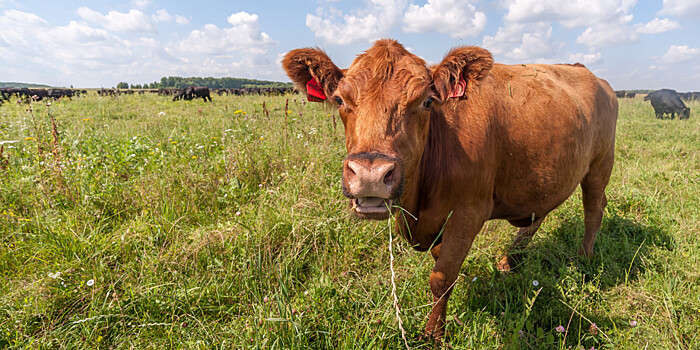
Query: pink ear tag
x,y
459,89
313,88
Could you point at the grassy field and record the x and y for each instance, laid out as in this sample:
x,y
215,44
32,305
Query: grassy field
x,y
138,222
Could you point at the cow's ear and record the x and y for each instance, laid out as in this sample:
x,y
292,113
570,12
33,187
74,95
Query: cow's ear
x,y
313,72
461,70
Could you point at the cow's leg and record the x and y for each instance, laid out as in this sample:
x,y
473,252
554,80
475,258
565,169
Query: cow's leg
x,y
456,242
524,236
594,201
435,251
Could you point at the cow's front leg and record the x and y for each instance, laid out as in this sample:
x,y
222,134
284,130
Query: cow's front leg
x,y
449,256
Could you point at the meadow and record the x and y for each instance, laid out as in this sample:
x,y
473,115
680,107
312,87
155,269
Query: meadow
x,y
136,222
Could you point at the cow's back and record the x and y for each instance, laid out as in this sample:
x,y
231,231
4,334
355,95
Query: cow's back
x,y
551,123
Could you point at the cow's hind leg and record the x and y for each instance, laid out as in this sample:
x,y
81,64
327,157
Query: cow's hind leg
x,y
514,254
594,201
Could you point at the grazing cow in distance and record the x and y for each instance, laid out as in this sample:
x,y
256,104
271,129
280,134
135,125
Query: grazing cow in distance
x,y
58,93
667,101
17,91
464,142
38,94
620,94
193,92
179,94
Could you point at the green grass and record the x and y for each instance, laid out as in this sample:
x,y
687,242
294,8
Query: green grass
x,y
223,226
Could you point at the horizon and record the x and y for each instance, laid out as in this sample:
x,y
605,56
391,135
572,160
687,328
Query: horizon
x,y
92,44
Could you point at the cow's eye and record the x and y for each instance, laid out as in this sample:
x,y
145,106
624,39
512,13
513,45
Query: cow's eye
x,y
338,100
428,102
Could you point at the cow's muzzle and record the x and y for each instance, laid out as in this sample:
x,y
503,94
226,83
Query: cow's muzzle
x,y
373,182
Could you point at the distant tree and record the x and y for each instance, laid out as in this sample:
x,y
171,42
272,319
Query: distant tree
x,y
123,85
212,83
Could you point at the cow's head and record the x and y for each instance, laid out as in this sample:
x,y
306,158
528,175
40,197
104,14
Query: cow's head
x,y
385,99
685,113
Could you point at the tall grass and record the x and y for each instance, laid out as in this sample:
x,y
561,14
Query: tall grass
x,y
138,222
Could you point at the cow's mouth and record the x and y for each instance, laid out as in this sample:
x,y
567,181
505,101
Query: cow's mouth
x,y
376,208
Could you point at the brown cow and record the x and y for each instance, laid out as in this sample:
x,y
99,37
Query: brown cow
x,y
464,142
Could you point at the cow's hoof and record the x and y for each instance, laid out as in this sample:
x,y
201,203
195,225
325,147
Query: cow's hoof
x,y
436,338
506,264
585,253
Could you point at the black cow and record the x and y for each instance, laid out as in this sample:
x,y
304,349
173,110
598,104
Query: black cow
x,y
666,101
38,94
620,93
58,93
17,91
192,92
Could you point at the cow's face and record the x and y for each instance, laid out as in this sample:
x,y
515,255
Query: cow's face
x,y
385,100
685,114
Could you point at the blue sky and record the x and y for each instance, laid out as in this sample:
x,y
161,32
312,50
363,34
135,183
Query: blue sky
x,y
632,44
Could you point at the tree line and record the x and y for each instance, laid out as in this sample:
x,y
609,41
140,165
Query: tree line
x,y
22,85
210,82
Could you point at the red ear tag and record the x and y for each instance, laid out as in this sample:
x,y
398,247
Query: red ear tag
x,y
459,89
314,89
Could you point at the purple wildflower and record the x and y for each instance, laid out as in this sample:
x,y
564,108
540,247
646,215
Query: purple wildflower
x,y
560,329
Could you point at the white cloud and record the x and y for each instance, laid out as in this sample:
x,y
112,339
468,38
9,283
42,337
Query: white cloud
x,y
93,55
586,58
681,8
241,49
657,26
18,17
570,14
76,32
608,21
608,34
521,41
454,17
182,20
368,24
132,21
162,15
619,31
38,50
140,4
244,34
680,53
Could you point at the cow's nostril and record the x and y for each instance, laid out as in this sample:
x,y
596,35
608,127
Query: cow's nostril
x,y
389,177
351,168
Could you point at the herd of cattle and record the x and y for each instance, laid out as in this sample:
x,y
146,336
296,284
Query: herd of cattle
x,y
38,94
192,92
185,94
664,101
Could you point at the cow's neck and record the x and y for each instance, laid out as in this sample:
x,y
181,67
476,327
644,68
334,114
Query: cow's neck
x,y
422,194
